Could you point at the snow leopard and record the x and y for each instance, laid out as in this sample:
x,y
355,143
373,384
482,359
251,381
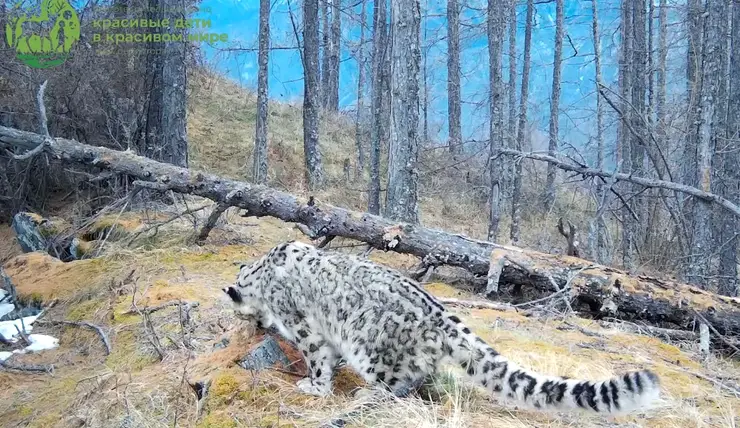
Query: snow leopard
x,y
394,334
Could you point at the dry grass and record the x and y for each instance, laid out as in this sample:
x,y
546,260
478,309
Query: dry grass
x,y
133,387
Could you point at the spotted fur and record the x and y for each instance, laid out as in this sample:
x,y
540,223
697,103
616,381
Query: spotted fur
x,y
392,332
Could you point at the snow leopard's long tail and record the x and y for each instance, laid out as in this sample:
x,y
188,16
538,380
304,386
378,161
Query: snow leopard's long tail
x,y
619,395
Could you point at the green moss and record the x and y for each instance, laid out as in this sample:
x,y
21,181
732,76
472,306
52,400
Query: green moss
x,y
126,355
25,411
83,310
224,385
217,420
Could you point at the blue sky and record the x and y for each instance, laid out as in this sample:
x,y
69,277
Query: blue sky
x,y
239,19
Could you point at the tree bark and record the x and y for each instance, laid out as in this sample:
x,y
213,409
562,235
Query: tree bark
x,y
378,130
729,283
708,130
555,102
634,230
332,101
324,12
312,155
511,138
166,133
598,232
597,291
624,141
516,216
401,197
495,30
259,168
359,134
453,77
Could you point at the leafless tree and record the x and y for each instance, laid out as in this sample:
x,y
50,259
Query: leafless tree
x,y
516,216
259,172
312,154
453,76
555,102
495,30
332,88
730,175
166,132
401,197
378,130
711,104
361,59
597,233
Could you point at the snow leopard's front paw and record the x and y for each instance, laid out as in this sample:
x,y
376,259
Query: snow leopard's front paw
x,y
307,386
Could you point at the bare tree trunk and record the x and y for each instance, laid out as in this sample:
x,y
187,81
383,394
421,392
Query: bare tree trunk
x,y
516,215
332,96
660,106
597,233
359,134
495,30
324,11
633,230
555,103
166,132
693,80
625,142
710,124
259,171
377,133
403,153
425,56
453,77
511,140
729,283
312,154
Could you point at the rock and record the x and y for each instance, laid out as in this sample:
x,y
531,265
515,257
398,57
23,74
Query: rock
x,y
27,228
266,354
221,344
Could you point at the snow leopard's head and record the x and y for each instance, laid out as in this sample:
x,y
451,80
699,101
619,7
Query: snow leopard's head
x,y
244,293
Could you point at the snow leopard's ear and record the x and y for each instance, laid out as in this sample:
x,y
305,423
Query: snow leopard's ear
x,y
242,266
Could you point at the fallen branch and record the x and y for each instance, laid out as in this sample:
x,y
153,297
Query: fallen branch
x,y
32,368
152,309
211,222
476,304
715,331
666,333
82,324
647,182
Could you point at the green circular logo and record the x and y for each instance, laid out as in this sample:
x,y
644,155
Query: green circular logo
x,y
45,39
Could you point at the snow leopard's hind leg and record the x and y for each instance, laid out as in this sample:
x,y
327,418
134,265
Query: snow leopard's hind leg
x,y
321,360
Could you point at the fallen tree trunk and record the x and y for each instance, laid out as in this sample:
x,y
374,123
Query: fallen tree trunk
x,y
596,291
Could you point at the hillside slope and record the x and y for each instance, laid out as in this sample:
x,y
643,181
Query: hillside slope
x,y
135,387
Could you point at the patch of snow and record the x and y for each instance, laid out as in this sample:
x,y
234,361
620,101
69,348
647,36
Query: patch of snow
x,y
6,308
3,294
8,328
41,342
5,355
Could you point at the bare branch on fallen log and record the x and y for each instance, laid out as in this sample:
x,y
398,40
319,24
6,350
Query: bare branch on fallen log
x,y
82,324
714,330
476,304
152,309
211,222
666,333
31,368
597,291
647,182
